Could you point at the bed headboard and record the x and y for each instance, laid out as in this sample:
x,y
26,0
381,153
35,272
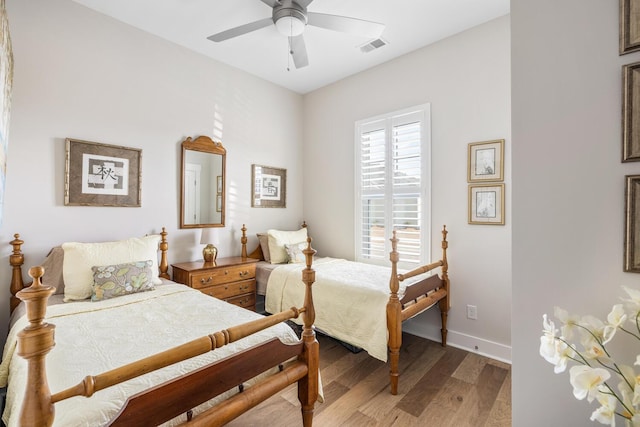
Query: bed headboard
x,y
16,259
257,252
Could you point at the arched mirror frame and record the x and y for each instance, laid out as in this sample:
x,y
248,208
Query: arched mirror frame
x,y
202,144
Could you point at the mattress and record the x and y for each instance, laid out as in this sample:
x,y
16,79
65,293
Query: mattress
x,y
263,271
350,299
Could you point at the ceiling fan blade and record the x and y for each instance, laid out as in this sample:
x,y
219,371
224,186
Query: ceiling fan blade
x,y
345,24
242,29
272,3
303,3
298,51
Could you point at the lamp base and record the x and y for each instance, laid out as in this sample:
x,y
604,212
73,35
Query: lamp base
x,y
209,253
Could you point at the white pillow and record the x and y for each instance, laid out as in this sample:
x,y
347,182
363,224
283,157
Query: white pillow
x,y
277,240
79,258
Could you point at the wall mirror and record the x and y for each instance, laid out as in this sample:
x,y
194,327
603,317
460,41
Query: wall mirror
x,y
202,183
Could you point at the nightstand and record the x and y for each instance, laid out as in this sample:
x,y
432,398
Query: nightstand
x,y
230,279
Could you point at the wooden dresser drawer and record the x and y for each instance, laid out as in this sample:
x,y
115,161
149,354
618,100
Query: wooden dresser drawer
x,y
228,290
223,275
247,301
231,279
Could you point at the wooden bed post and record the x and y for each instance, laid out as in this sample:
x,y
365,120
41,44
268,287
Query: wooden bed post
x,y
243,240
16,259
164,265
394,317
308,386
34,342
443,304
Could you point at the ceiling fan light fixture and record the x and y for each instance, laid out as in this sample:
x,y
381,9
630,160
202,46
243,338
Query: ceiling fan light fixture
x,y
290,26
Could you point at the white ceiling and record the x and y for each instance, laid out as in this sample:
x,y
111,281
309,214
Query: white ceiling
x,y
409,25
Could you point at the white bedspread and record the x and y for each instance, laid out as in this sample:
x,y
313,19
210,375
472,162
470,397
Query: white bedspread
x,y
92,338
350,299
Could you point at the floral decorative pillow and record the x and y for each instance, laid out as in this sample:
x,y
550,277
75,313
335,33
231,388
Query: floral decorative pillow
x,y
294,252
110,281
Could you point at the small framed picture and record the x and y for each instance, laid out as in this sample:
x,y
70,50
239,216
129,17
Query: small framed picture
x,y
219,184
486,204
485,161
219,203
629,29
102,175
631,112
268,187
632,224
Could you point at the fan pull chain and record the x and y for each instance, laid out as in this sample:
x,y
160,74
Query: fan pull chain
x,y
289,53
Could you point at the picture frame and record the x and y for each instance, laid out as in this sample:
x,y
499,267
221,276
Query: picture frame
x,y
630,112
485,161
219,202
629,28
632,224
219,184
102,175
268,187
486,204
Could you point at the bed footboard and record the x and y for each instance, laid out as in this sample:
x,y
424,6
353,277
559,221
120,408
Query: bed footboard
x,y
418,297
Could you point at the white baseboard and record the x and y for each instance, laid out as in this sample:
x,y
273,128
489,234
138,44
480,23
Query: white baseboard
x,y
465,342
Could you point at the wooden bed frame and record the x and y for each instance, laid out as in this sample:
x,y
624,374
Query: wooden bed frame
x,y
418,297
179,395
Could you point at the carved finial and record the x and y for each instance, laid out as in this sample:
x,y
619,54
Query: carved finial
x,y
243,240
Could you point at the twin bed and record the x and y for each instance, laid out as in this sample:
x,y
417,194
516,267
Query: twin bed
x,y
168,355
360,304
149,357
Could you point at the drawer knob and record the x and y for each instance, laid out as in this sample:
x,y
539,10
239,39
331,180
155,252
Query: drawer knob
x,y
244,273
203,280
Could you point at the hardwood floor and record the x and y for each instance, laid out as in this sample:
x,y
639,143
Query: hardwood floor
x,y
438,387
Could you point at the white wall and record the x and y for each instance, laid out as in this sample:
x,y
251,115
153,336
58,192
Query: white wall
x,y
466,78
82,75
568,188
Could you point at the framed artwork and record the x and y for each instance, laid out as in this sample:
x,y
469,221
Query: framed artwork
x,y
102,175
631,112
268,187
486,204
219,202
219,184
632,224
485,161
629,26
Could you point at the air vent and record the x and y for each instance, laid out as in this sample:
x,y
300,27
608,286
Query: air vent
x,y
373,45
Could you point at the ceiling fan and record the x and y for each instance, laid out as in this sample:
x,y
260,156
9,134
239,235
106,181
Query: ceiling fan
x,y
291,17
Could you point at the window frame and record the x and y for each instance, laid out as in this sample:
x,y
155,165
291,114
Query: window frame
x,y
391,120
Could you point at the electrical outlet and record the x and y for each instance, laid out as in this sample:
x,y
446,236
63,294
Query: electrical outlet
x,y
472,312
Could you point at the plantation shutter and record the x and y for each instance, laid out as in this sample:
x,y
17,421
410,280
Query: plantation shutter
x,y
392,183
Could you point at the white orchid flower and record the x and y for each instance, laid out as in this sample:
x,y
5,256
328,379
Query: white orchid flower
x,y
615,319
605,414
593,349
594,325
569,321
586,380
548,347
633,302
637,362
563,354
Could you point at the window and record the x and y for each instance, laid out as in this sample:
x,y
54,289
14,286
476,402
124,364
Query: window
x,y
392,186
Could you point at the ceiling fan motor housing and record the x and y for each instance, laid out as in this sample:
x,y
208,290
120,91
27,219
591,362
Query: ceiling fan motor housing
x,y
289,8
